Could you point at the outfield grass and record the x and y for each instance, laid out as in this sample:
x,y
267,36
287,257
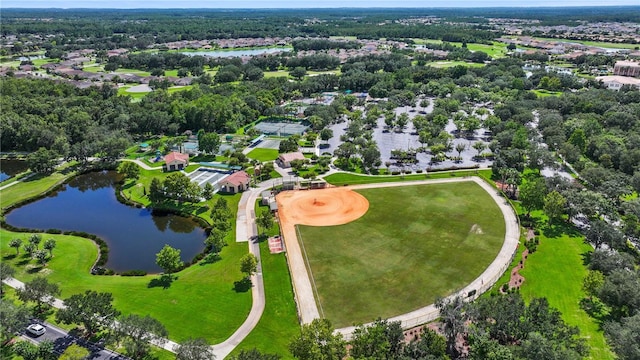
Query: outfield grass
x,y
556,271
201,303
263,154
340,179
279,322
414,244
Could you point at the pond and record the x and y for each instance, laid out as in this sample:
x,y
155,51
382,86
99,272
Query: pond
x,y
134,236
237,53
9,168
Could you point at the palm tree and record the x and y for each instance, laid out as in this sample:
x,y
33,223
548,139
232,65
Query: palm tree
x,y
479,146
460,148
50,244
16,243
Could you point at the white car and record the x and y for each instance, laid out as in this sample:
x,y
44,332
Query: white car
x,y
36,329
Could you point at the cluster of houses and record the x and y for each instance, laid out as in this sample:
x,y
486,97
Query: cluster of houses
x,y
624,73
223,43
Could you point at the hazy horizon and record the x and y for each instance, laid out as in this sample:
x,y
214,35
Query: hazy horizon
x,y
297,4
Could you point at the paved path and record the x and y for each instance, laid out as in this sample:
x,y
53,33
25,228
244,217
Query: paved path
x,y
307,307
17,181
142,164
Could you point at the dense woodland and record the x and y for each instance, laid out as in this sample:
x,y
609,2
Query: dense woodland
x,y
594,130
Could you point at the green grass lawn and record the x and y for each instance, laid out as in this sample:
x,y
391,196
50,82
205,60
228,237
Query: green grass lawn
x,y
414,244
448,64
545,93
341,179
263,154
34,186
201,303
556,271
279,322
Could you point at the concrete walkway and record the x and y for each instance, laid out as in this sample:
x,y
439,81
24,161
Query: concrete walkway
x,y
483,282
142,164
307,306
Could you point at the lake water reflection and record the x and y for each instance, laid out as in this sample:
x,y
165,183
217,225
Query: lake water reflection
x,y
9,168
88,203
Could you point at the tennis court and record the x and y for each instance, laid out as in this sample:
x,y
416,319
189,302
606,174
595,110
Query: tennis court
x,y
281,128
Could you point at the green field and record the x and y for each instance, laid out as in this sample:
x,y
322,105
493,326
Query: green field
x,y
202,298
263,154
343,178
414,244
279,321
556,271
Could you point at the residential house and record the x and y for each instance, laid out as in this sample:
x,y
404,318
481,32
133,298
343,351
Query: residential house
x,y
616,82
627,68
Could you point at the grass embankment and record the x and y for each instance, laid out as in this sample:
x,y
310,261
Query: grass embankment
x,y
32,186
556,271
202,302
340,179
279,322
414,244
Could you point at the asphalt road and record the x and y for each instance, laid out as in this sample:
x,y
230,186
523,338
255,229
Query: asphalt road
x,y
61,340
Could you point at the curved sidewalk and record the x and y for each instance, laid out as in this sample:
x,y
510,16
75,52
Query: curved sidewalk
x,y
302,284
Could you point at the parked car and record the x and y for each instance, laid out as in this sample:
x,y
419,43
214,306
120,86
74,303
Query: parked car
x,y
36,329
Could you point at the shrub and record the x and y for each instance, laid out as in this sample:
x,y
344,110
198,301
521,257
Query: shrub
x,y
134,273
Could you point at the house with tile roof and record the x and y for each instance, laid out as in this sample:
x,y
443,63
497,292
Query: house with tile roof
x,y
176,161
235,183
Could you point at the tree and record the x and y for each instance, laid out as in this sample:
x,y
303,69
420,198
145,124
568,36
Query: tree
x,y
592,282
254,354
326,134
215,241
453,318
35,239
135,332
92,309
554,204
41,256
208,191
248,265
370,156
460,147
209,143
479,146
380,340
317,341
74,352
6,272
29,248
156,190
624,337
430,345
13,318
169,259
194,349
600,232
298,73
265,221
42,161
16,243
26,349
129,170
46,350
40,291
532,194
49,245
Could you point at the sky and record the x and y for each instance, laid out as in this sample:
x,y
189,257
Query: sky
x,y
129,4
